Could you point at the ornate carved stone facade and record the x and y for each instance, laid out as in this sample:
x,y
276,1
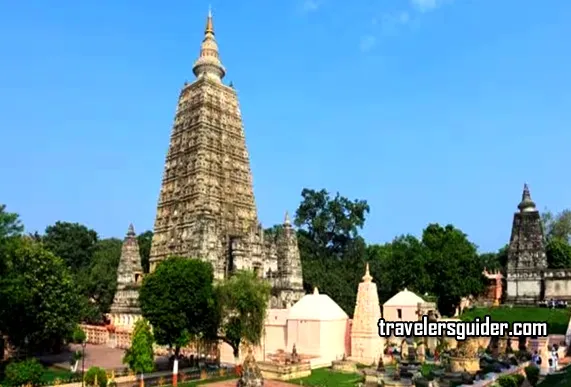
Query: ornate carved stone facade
x,y
206,205
125,308
526,254
366,344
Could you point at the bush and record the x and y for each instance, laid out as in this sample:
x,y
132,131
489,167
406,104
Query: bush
x,y
29,371
101,377
532,374
507,381
78,336
519,378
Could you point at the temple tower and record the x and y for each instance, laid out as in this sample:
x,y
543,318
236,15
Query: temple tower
x,y
125,308
206,206
366,344
526,254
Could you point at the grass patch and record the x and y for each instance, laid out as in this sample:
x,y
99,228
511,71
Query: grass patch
x,y
556,318
51,374
324,377
561,380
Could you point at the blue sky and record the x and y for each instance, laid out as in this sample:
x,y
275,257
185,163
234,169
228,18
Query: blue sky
x,y
433,111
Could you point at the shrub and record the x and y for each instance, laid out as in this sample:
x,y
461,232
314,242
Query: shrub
x,y
532,374
507,381
101,377
78,336
519,378
29,371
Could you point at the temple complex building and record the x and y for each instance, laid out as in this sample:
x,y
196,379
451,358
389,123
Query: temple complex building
x,y
206,207
528,278
125,309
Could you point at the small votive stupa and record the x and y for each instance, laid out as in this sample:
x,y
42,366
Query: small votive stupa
x,y
366,344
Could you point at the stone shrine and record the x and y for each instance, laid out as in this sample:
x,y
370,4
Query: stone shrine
x,y
125,309
366,344
529,280
206,207
526,254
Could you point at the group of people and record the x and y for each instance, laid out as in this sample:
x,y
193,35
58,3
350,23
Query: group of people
x,y
553,360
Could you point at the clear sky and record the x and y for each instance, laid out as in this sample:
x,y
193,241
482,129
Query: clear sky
x,y
432,111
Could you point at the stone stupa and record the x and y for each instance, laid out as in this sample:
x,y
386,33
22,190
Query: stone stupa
x,y
366,344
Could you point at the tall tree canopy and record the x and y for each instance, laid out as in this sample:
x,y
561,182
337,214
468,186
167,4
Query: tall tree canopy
x,y
178,300
332,252
38,297
10,224
330,222
454,265
72,242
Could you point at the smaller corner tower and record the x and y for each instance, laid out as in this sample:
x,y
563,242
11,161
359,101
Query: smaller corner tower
x,y
526,253
290,281
125,309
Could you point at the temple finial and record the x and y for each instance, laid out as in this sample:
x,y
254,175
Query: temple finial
x,y
367,277
315,290
131,230
208,63
209,25
526,204
287,221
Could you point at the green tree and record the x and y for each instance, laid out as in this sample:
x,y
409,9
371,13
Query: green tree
x,y
454,265
98,281
145,240
72,242
558,253
557,226
140,355
332,252
178,299
38,298
10,224
330,222
406,266
242,302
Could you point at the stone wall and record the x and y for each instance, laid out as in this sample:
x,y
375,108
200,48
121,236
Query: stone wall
x,y
558,284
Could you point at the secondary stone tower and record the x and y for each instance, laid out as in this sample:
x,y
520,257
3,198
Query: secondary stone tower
x,y
125,308
206,205
526,254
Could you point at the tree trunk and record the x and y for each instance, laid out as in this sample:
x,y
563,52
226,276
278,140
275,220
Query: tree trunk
x,y
175,367
236,352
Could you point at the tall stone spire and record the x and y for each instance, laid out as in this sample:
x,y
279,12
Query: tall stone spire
x,y
526,253
125,308
206,207
366,344
208,63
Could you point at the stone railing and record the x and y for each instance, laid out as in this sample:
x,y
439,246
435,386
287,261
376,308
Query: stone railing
x,y
95,334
